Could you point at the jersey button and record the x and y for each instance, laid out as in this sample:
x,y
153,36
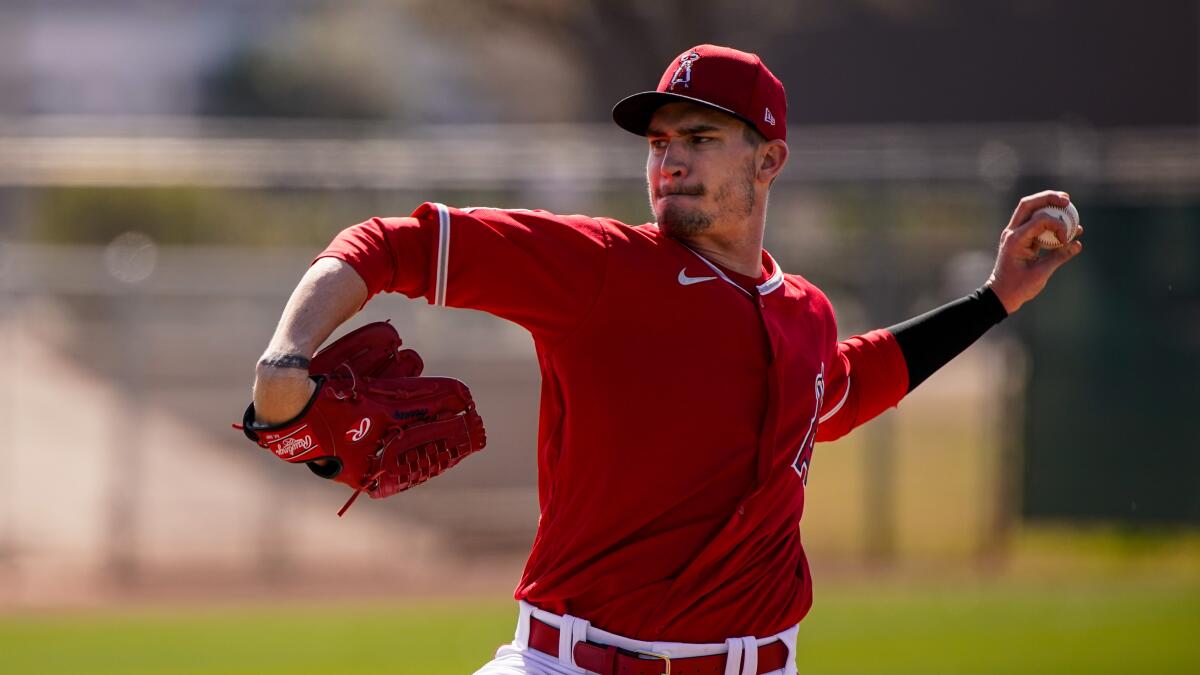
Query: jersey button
x,y
741,510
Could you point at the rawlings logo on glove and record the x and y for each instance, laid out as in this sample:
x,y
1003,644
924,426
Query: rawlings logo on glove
x,y
355,435
373,423
288,447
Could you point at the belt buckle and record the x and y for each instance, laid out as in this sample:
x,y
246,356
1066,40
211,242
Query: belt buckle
x,y
666,659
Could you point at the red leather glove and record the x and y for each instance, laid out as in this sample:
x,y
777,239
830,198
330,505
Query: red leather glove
x,y
374,423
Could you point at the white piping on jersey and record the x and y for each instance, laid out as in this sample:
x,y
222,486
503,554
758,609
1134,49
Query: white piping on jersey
x,y
443,258
718,271
776,279
836,408
765,287
469,209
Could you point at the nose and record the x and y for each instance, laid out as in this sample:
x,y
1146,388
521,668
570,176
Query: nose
x,y
672,162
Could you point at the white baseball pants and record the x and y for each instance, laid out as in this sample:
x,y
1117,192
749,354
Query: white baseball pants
x,y
516,658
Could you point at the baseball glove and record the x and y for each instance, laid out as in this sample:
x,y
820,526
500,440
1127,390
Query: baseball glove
x,y
373,422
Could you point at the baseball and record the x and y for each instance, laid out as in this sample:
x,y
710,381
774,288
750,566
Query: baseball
x,y
1069,215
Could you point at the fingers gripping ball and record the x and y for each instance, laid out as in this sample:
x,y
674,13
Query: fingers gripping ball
x,y
1068,216
371,427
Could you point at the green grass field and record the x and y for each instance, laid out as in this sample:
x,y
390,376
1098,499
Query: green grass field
x,y
859,629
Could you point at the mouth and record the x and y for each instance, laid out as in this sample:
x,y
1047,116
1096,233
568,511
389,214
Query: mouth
x,y
682,193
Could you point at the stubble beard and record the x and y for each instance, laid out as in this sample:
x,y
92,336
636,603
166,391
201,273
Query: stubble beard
x,y
734,200
677,221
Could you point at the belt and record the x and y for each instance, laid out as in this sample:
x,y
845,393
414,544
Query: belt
x,y
609,660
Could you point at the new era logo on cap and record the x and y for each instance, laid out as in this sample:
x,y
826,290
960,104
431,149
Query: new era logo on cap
x,y
725,79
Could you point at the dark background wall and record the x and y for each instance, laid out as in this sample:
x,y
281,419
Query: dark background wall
x,y
1112,425
1103,62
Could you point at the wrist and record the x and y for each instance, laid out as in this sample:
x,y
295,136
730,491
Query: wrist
x,y
1006,297
281,360
277,374
282,366
277,400
991,303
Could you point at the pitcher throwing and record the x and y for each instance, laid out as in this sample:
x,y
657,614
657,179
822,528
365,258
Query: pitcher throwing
x,y
685,379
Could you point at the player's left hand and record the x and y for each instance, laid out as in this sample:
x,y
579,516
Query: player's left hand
x,y
373,422
1022,268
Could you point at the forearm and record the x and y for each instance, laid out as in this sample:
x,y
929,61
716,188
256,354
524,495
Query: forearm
x,y
1022,269
931,340
329,293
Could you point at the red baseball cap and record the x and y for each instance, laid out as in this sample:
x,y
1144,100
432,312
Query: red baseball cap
x,y
734,82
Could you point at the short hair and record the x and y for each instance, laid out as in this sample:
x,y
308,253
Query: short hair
x,y
754,138
752,135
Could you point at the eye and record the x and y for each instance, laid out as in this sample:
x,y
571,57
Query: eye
x,y
658,143
701,140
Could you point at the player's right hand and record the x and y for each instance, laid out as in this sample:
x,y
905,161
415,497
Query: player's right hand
x,y
1021,269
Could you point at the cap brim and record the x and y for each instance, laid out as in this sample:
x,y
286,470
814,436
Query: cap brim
x,y
633,113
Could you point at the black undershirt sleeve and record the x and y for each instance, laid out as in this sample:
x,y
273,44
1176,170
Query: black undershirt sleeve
x,y
930,340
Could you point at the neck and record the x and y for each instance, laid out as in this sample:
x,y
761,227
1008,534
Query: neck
x,y
737,246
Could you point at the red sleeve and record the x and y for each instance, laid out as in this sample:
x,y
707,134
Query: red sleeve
x,y
535,268
867,375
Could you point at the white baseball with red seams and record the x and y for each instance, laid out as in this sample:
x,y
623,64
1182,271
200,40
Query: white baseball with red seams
x,y
1069,216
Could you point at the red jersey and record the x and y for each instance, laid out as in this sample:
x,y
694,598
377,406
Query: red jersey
x,y
678,409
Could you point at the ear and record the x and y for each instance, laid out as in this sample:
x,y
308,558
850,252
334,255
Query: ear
x,y
772,157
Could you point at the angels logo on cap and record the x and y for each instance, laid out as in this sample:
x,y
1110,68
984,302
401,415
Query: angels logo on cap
x,y
731,81
685,67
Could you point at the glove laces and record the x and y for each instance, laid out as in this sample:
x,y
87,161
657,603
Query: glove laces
x,y
372,481
367,485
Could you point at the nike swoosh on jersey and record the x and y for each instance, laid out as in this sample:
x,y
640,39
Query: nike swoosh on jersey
x,y
685,280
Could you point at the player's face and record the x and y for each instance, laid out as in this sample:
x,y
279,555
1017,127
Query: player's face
x,y
700,172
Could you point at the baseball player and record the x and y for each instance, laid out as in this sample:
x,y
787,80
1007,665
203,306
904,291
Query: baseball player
x,y
685,379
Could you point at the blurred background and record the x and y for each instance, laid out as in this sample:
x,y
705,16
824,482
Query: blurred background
x,y
169,168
